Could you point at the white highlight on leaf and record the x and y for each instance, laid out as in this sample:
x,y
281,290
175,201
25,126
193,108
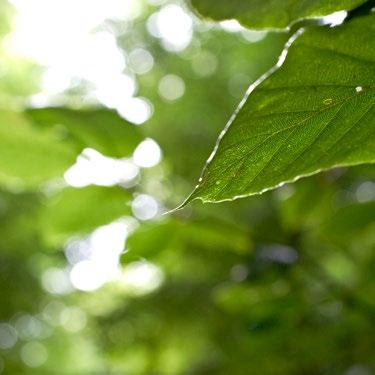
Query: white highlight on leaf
x,y
252,36
335,19
232,26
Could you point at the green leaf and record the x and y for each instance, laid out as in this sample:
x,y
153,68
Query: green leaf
x,y
78,211
209,233
349,220
101,129
270,14
314,113
29,156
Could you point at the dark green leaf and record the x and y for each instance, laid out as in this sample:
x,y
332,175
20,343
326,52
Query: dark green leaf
x,y
314,113
101,129
350,219
169,234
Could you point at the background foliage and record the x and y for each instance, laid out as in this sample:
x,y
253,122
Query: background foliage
x,y
95,280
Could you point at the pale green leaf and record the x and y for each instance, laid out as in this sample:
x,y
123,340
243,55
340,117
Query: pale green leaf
x,y
29,156
79,211
101,129
270,14
314,113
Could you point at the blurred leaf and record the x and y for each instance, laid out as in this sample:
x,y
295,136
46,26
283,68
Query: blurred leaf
x,y
314,113
349,220
22,290
17,221
101,129
171,234
78,211
270,14
18,242
306,203
218,234
150,239
28,156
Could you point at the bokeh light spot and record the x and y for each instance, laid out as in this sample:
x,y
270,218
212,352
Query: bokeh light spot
x,y
8,336
136,110
204,64
141,277
141,61
145,207
147,154
173,25
171,87
94,168
34,354
56,281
